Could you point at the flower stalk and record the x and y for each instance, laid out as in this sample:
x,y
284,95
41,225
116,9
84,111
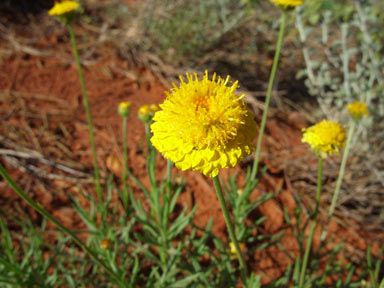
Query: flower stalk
x,y
124,110
351,131
313,224
357,111
125,195
168,175
268,96
87,111
231,231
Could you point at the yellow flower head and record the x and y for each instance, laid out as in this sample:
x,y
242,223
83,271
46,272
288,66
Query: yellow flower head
x,y
204,125
124,109
64,8
325,138
357,110
287,3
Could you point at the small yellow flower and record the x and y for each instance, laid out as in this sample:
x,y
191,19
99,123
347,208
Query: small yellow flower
x,y
325,138
64,8
105,244
232,250
124,109
357,110
287,3
203,125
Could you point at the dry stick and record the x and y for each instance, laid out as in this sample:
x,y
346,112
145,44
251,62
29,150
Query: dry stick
x,y
41,173
47,215
39,157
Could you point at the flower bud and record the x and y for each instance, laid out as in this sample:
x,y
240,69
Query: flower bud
x,y
154,108
145,113
105,244
124,109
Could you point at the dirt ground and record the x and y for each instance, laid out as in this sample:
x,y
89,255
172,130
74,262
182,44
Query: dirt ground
x,y
42,115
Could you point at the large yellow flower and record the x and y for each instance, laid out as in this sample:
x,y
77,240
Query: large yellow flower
x,y
287,3
357,110
325,138
64,8
203,125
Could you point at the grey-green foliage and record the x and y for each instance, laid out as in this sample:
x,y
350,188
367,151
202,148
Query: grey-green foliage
x,y
342,46
185,29
343,51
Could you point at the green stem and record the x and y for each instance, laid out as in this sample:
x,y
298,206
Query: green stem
x,y
342,169
47,215
371,269
151,165
125,195
156,206
169,171
313,224
163,250
151,161
148,136
381,284
339,179
125,153
268,96
87,111
231,231
168,175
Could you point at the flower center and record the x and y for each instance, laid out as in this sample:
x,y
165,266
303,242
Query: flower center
x,y
215,123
